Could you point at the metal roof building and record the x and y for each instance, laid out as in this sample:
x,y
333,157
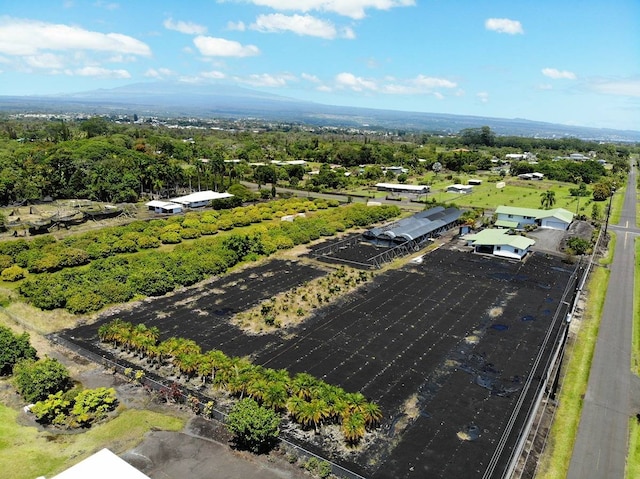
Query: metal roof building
x,y
418,227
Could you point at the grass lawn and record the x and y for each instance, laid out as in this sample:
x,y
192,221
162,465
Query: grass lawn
x,y
616,206
524,194
633,460
555,462
26,453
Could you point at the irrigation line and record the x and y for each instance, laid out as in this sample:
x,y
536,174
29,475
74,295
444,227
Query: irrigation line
x,y
521,399
216,415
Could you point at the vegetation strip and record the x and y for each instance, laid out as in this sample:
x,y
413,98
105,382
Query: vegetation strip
x,y
307,400
556,459
292,307
125,275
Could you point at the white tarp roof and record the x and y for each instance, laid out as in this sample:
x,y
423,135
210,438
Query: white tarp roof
x,y
201,196
103,464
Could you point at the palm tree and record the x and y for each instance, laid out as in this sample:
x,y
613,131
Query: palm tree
x,y
188,362
548,199
303,385
372,414
275,395
294,406
317,411
216,360
257,387
353,428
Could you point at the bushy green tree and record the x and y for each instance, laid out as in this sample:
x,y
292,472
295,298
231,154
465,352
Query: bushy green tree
x,y
13,348
13,273
93,404
254,427
35,380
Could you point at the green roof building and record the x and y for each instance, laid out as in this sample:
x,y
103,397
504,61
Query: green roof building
x,y
499,243
558,218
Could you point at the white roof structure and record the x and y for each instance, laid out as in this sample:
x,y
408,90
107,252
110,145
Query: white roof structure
x,y
162,204
103,464
399,186
200,196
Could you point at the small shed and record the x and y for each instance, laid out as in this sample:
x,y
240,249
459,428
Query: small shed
x,y
474,182
458,188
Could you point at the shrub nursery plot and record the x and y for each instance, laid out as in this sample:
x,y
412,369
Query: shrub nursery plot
x,y
452,350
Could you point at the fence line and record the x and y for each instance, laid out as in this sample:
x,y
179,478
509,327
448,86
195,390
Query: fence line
x,y
167,389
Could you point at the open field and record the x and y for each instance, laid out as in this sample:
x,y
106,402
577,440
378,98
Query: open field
x,y
447,348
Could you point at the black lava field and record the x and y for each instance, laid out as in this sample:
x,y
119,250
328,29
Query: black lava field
x,y
452,350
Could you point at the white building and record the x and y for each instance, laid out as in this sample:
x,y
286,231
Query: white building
x,y
513,217
400,188
498,243
200,198
165,207
457,188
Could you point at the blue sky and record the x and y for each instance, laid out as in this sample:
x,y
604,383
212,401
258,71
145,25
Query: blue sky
x,y
562,61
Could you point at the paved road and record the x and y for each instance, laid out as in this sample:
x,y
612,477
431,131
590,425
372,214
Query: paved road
x,y
601,446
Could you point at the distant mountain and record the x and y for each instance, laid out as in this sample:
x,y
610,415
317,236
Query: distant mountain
x,y
167,99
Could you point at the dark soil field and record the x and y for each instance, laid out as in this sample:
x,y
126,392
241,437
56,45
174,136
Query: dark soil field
x,y
451,349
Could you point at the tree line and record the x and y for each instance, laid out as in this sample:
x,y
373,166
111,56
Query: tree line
x,y
105,161
307,400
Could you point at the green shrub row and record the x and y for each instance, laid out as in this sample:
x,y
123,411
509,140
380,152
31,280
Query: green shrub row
x,y
120,278
46,254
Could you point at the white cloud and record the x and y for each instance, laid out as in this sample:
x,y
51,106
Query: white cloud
x,y
184,27
30,37
221,47
159,73
99,72
419,85
432,82
625,87
267,80
214,75
298,24
349,8
544,86
504,25
309,77
558,74
483,96
44,60
352,82
237,26
107,5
